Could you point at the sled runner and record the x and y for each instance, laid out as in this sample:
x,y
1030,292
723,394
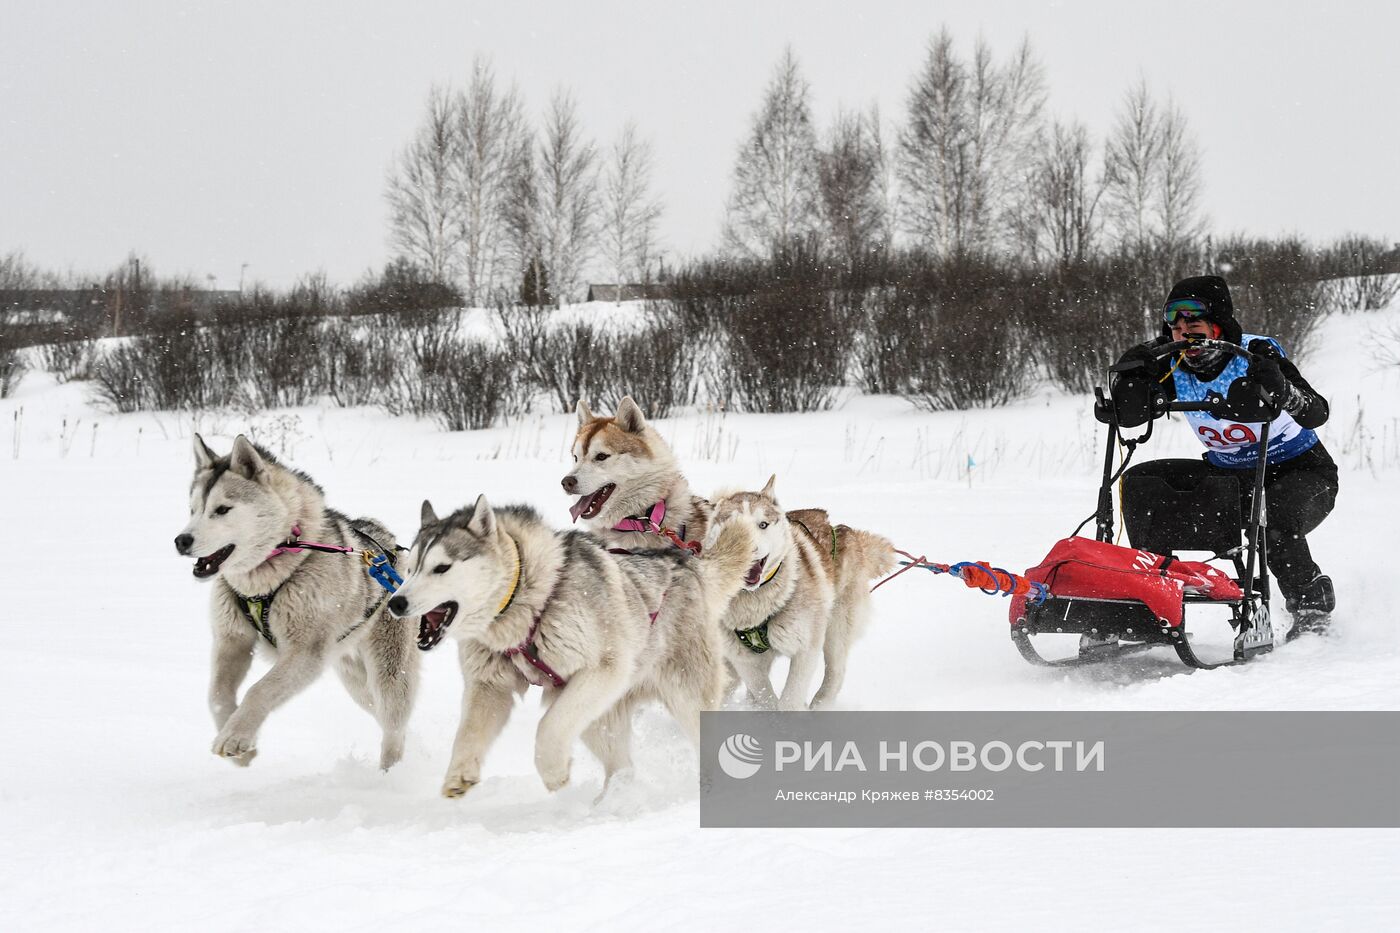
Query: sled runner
x,y
1123,600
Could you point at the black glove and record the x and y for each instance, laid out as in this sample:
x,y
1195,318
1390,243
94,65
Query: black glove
x,y
1133,385
1265,371
1141,358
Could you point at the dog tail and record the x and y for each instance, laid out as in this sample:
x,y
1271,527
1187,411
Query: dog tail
x,y
725,560
861,556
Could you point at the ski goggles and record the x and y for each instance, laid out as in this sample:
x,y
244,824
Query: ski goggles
x,y
1185,309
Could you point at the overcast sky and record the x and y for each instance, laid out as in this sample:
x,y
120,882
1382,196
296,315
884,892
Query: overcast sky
x,y
208,135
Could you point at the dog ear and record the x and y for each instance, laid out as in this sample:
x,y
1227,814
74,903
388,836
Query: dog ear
x,y
483,520
245,459
584,415
203,456
768,486
427,516
629,417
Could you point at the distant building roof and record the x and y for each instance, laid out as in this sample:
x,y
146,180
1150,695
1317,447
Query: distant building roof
x,y
632,292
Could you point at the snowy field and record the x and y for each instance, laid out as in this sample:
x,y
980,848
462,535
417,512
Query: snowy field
x,y
114,815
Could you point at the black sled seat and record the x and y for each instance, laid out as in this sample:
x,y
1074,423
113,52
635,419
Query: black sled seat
x,y
1181,505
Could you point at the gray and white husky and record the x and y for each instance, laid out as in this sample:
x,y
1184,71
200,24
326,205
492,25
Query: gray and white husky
x,y
625,473
306,608
599,631
806,597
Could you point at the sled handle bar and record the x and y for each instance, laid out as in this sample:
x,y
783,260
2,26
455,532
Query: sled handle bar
x,y
1179,346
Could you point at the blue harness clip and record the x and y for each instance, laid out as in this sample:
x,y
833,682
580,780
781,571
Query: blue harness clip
x,y
383,572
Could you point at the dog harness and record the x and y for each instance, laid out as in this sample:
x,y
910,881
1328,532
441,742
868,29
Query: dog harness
x,y
256,610
378,564
756,639
528,652
651,524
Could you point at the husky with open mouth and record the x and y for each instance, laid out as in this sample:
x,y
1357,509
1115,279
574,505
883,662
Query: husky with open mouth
x,y
252,524
599,631
626,484
806,597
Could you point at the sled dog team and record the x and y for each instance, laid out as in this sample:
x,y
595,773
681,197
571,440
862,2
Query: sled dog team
x,y
664,596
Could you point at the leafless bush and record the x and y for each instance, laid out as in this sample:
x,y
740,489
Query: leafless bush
x,y
1362,273
429,341
575,362
1275,289
773,334
359,362
11,368
118,373
948,336
522,329
174,370
654,367
401,288
1080,318
472,393
1385,344
67,360
784,349
279,363
1361,293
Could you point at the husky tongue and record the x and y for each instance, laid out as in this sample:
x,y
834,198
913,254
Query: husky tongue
x,y
590,505
578,507
754,573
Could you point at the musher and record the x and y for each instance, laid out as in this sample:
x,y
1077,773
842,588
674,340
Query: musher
x,y
1300,476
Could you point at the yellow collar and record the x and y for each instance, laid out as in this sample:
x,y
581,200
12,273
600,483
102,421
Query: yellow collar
x,y
772,573
515,583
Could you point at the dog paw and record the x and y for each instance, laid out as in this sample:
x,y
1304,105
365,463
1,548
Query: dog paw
x,y
236,744
390,755
457,786
554,774
244,761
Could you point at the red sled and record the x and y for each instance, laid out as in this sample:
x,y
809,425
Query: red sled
x,y
1118,598
1082,568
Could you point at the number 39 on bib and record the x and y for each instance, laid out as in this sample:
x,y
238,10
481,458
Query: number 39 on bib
x,y
1230,434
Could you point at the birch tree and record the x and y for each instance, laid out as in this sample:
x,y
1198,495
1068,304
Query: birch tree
x,y
629,211
1063,219
851,176
567,197
489,125
1132,161
774,196
969,130
1179,184
424,208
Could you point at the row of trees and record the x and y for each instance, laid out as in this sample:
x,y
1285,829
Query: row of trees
x,y
974,169
973,166
482,200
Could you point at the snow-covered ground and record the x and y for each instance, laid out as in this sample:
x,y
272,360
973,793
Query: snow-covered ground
x,y
113,813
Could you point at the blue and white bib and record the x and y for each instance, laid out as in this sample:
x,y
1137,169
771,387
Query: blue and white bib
x,y
1235,444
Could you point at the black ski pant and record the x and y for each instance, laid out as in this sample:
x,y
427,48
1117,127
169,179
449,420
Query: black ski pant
x,y
1298,493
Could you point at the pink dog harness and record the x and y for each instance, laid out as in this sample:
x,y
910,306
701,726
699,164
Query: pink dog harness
x,y
295,546
651,524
